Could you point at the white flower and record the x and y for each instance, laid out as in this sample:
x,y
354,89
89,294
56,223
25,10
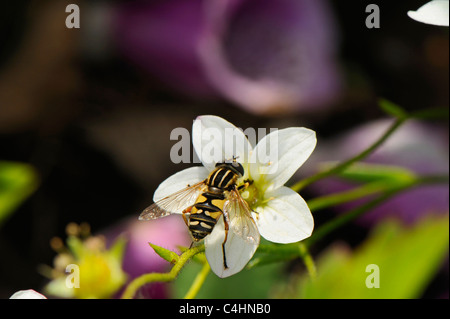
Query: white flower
x,y
27,294
434,12
282,215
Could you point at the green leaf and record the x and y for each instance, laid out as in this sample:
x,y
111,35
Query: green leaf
x,y
17,182
392,109
407,259
268,253
166,254
75,246
118,248
265,259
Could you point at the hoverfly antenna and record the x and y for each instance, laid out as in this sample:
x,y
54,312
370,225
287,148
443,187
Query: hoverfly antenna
x,y
231,161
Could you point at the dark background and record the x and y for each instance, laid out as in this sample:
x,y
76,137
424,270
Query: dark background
x,y
98,131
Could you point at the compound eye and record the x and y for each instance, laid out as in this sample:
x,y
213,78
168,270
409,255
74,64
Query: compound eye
x,y
239,168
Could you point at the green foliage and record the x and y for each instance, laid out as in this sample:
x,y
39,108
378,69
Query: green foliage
x,y
431,114
407,258
75,246
17,182
392,109
165,254
396,111
368,172
255,283
376,179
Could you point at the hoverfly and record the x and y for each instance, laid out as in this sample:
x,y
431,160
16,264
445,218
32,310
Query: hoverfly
x,y
203,204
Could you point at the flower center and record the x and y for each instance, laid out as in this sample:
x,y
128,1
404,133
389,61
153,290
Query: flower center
x,y
249,193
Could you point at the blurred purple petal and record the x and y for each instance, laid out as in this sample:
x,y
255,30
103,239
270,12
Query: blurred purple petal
x,y
266,56
417,146
161,37
139,258
271,56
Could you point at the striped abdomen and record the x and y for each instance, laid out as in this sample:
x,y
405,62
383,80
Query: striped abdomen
x,y
205,213
209,206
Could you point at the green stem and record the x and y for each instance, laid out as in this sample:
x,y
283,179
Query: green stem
x,y
140,281
283,252
347,196
358,211
198,282
308,260
343,165
351,215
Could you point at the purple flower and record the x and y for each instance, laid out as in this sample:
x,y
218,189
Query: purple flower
x,y
161,37
264,55
139,258
416,146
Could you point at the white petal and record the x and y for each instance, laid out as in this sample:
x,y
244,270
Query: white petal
x,y
434,12
179,181
27,294
238,251
286,218
216,140
279,154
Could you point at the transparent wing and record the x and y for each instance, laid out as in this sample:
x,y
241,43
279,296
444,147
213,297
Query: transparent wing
x,y
173,204
239,217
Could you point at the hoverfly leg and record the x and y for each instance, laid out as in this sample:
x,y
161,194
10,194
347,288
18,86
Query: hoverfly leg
x,y
246,184
223,244
186,211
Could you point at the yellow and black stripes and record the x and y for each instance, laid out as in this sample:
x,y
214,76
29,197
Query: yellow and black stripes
x,y
204,214
208,208
222,178
209,205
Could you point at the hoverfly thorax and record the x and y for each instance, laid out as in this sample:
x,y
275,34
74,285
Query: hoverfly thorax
x,y
224,177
